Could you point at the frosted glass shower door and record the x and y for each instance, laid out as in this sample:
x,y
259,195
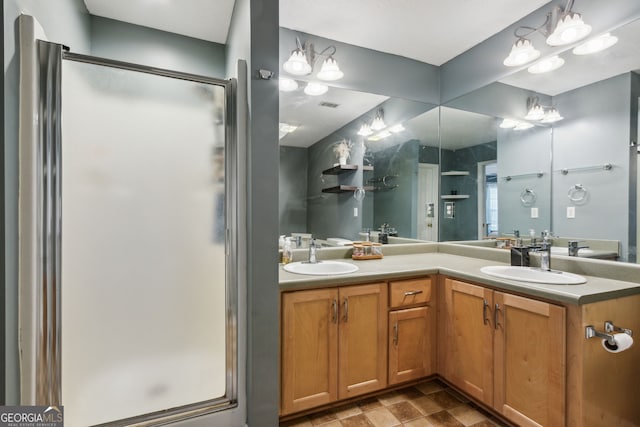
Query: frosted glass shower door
x,y
143,243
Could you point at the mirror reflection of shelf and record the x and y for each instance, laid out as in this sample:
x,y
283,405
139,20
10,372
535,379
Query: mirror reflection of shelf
x,y
454,196
345,189
455,173
340,169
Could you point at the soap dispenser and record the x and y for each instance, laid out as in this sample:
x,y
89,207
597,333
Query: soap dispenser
x,y
287,252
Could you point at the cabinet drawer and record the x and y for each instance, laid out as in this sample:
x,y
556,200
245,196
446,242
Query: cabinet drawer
x,y
410,292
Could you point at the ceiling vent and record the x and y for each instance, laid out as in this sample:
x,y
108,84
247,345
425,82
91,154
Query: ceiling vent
x,y
328,104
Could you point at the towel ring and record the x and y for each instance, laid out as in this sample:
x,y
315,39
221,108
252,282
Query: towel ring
x,y
578,194
528,197
359,193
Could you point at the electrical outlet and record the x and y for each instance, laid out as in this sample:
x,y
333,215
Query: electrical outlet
x,y
571,211
534,213
355,212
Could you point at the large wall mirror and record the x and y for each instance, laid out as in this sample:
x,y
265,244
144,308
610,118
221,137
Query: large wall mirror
x,y
454,172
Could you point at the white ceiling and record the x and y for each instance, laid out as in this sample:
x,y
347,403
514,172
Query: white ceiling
x,y
431,31
315,121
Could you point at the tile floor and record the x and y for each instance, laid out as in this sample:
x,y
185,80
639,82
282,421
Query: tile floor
x,y
428,404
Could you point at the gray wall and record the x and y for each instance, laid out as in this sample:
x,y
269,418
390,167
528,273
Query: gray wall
x,y
397,206
262,220
142,45
292,190
524,152
596,130
64,21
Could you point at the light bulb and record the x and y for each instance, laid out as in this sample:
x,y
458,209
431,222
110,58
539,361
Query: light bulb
x,y
330,70
546,65
522,52
597,44
297,64
570,28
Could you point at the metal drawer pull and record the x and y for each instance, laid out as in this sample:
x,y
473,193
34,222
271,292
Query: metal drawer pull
x,y
345,310
485,305
395,333
410,293
334,311
495,316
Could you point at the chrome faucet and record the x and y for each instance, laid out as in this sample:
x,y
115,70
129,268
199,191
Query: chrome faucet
x,y
545,252
573,247
313,247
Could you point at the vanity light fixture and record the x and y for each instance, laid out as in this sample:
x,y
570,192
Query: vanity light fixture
x,y
596,44
302,61
546,65
562,27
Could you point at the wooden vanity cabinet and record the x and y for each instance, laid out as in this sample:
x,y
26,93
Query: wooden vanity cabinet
x,y
411,330
505,350
334,344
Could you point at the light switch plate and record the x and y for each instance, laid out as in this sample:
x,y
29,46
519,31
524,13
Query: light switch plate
x,y
534,212
571,211
355,212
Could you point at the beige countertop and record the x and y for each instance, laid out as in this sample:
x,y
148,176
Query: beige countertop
x,y
468,268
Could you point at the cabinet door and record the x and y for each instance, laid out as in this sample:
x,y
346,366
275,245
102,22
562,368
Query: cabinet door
x,y
529,361
362,339
468,339
410,344
309,349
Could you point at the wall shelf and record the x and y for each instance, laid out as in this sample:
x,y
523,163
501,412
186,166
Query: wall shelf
x,y
345,189
455,173
340,169
454,196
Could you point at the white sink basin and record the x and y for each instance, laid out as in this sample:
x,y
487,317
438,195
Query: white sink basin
x,y
322,268
559,250
533,274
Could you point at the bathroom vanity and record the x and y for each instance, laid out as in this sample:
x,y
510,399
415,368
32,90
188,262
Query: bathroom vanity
x,y
517,348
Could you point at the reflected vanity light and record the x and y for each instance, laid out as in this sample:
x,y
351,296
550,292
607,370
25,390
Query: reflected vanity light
x,y
285,129
546,65
551,116
596,44
315,89
380,135
365,130
378,122
536,112
508,123
523,126
287,85
396,128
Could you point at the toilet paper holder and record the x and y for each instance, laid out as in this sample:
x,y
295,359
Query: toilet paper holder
x,y
609,327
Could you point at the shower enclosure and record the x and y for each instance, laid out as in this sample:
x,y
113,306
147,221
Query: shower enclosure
x,y
127,251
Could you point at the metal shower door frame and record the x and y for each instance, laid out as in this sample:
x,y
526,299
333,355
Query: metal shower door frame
x,y
40,244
